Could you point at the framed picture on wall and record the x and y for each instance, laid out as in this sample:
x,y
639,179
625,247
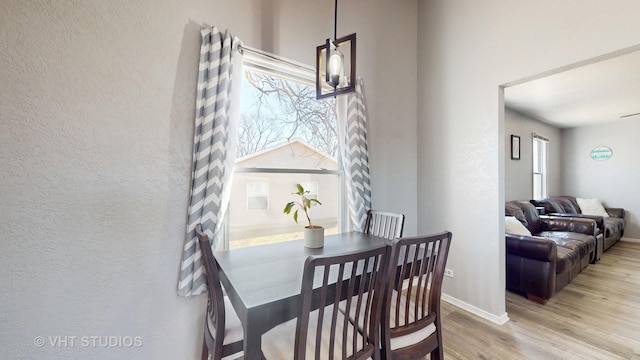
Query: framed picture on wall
x,y
515,147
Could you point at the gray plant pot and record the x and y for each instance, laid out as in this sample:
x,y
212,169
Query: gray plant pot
x,y
314,237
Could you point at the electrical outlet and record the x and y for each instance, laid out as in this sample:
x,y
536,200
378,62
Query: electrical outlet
x,y
448,272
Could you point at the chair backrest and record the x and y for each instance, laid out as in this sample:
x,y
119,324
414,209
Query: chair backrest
x,y
329,331
384,224
215,307
415,285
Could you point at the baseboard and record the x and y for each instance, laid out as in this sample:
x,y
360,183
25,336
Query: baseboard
x,y
630,240
500,320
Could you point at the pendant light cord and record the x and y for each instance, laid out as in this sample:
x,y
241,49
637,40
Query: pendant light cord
x,y
335,23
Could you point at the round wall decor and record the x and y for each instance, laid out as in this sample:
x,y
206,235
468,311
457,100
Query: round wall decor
x,y
601,153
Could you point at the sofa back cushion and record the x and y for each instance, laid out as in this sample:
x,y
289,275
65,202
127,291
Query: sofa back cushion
x,y
567,206
526,210
511,208
573,201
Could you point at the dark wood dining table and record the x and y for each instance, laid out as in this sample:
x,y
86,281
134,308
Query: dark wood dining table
x,y
263,282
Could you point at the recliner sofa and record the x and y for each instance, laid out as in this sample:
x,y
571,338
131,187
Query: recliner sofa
x,y
611,227
540,265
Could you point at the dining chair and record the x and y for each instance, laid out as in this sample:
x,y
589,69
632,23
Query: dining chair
x,y
384,224
321,331
411,325
223,335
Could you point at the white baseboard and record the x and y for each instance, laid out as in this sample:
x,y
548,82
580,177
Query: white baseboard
x,y
500,320
630,240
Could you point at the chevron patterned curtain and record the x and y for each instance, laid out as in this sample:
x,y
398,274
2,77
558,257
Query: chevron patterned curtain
x,y
355,156
214,145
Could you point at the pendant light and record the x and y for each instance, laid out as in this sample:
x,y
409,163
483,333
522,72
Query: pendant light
x,y
332,59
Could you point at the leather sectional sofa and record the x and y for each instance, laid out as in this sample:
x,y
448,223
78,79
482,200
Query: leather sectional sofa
x,y
540,265
611,228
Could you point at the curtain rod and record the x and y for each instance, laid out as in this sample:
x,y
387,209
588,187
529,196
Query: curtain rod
x,y
541,137
272,57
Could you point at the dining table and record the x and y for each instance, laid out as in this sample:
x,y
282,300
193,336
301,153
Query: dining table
x,y
263,282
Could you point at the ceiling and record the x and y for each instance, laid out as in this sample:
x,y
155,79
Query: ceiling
x,y
595,93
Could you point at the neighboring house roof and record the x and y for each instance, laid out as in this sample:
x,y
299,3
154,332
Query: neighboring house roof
x,y
284,144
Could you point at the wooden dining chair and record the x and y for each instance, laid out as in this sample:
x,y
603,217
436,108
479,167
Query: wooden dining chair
x,y
411,326
321,331
223,335
384,224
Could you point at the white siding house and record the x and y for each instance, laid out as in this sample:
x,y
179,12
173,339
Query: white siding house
x,y
257,199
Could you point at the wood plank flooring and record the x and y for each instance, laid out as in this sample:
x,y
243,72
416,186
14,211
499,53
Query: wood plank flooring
x,y
596,316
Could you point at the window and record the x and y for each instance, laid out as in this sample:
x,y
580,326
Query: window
x,y
257,195
540,157
312,188
286,137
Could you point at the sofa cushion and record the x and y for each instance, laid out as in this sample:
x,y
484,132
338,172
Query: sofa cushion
x,y
613,225
512,209
567,259
573,201
591,207
514,226
567,206
583,244
551,206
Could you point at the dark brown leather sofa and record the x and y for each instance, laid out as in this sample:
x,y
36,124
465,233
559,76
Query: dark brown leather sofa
x,y
540,265
611,228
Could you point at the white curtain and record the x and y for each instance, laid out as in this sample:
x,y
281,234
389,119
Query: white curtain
x,y
352,126
214,148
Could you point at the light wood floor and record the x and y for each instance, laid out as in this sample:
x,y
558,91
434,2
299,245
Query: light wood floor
x,y
596,316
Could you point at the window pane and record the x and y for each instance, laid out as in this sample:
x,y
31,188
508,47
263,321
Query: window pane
x,y
537,186
258,195
283,127
253,226
312,188
539,155
284,116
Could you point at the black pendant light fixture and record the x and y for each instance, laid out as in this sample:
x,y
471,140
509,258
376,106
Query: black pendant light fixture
x,y
333,59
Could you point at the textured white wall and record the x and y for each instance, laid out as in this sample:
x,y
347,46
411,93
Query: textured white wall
x,y
519,173
96,108
466,51
613,181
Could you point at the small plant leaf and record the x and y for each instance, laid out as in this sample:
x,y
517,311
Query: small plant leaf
x,y
307,202
315,201
288,207
295,216
300,189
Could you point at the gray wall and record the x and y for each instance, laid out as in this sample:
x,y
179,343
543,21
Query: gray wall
x,y
97,105
519,173
614,181
467,50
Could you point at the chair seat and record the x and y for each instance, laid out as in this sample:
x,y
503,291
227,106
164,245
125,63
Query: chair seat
x,y
399,342
278,343
233,327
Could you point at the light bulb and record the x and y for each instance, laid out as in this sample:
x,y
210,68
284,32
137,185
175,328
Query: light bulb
x,y
335,69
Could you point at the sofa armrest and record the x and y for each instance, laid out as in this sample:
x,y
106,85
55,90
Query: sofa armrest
x,y
615,212
531,264
531,247
570,224
598,219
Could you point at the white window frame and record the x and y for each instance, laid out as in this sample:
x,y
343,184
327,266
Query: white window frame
x,y
540,166
257,60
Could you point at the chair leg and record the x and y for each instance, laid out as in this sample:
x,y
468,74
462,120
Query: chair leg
x,y
437,354
205,350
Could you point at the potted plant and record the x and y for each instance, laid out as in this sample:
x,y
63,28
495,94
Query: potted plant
x,y
313,234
